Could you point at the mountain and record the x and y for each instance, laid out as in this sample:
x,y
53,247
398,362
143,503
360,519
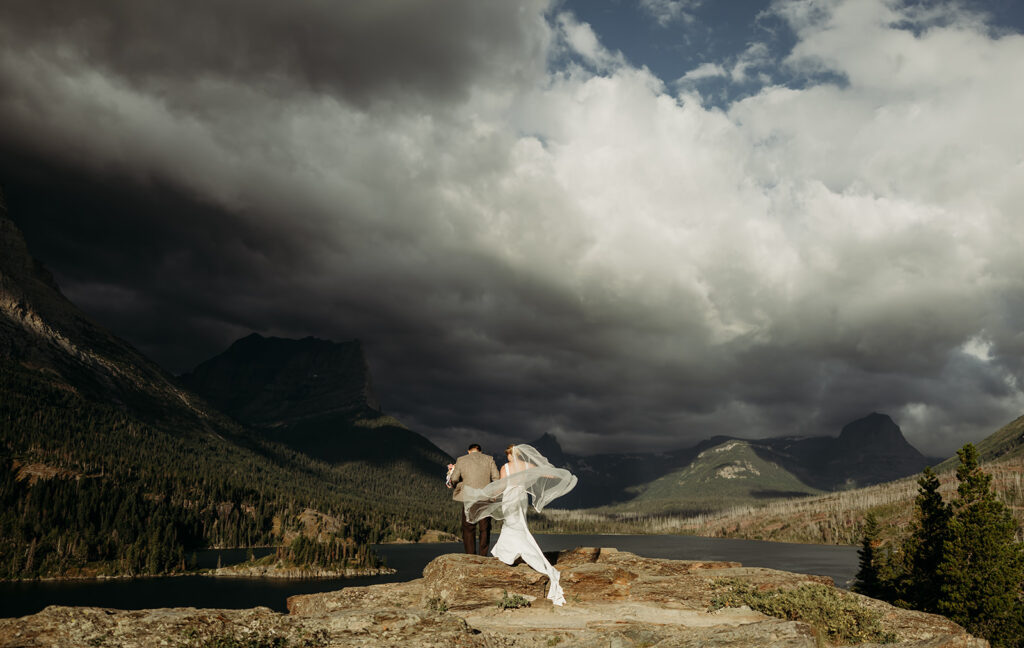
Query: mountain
x,y
734,472
838,517
870,450
273,381
42,330
315,396
109,465
1005,443
723,470
612,478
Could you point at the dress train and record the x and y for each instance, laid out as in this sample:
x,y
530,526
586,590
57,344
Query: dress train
x,y
516,541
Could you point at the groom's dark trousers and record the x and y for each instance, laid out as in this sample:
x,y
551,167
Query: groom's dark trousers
x,y
473,469
469,530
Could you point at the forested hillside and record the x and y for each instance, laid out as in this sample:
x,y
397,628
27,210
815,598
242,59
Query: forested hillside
x,y
108,465
86,487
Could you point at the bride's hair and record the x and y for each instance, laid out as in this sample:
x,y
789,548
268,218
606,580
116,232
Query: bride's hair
x,y
511,450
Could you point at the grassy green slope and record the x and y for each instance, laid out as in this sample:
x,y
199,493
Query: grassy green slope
x,y
1005,443
729,474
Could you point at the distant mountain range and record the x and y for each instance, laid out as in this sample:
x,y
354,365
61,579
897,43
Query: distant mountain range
x,y
724,471
838,517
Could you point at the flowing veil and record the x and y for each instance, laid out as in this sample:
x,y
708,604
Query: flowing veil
x,y
542,481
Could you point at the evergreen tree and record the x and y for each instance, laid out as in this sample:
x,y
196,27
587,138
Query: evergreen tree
x,y
868,582
982,565
923,550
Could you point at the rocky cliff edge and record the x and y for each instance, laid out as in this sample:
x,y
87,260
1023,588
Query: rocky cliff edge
x,y
613,599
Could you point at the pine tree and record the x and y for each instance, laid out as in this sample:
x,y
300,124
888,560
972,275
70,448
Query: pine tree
x,y
923,550
868,582
982,564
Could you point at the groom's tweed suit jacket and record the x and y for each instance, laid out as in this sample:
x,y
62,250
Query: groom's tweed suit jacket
x,y
475,469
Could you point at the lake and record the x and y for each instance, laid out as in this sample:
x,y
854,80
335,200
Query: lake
x,y
21,598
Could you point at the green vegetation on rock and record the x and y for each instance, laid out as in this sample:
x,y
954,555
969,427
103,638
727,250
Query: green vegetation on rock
x,y
512,601
838,617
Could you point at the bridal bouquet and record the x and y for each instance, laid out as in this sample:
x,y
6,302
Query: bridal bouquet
x,y
448,476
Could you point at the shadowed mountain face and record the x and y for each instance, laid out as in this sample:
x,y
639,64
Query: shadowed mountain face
x,y
274,381
872,450
313,395
868,451
42,330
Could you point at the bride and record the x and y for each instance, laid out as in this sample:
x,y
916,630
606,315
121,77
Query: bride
x,y
526,472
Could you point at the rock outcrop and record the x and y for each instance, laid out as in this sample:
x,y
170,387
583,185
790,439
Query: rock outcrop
x,y
315,396
270,381
614,599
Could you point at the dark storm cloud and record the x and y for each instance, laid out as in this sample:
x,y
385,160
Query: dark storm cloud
x,y
360,51
525,250
159,267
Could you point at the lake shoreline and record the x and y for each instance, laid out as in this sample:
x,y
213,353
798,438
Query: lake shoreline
x,y
18,598
208,563
288,573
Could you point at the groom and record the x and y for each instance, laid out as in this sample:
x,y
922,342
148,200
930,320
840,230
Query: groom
x,y
475,469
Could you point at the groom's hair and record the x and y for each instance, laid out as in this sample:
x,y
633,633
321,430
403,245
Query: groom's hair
x,y
473,446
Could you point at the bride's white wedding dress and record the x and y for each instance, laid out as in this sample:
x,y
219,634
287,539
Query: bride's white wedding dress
x,y
527,475
516,541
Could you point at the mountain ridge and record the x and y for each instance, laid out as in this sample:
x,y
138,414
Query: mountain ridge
x,y
867,451
42,329
315,396
269,381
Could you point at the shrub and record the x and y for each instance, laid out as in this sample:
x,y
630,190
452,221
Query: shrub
x,y
512,602
834,614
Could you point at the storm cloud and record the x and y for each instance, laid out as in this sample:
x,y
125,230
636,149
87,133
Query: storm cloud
x,y
529,232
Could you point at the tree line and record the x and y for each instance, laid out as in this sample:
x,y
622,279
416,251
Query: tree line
x,y
961,558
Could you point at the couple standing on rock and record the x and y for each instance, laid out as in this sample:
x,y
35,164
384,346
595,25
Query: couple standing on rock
x,y
486,492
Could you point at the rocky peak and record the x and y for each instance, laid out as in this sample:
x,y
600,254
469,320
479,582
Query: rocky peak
x,y
18,269
874,429
14,257
548,446
875,433
271,380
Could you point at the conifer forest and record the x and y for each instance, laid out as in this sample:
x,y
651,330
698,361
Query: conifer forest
x,y
87,488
